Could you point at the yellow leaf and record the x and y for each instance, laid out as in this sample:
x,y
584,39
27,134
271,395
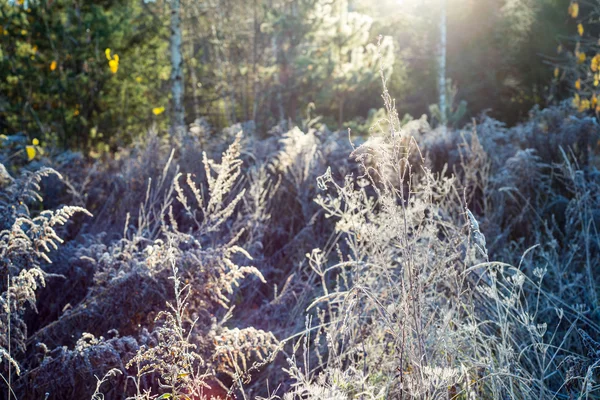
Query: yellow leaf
x,y
559,49
76,112
594,101
35,141
578,84
574,9
580,29
158,110
581,58
556,72
52,65
30,150
576,101
107,53
114,64
595,63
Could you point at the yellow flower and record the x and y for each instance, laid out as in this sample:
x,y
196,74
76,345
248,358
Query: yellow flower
x,y
594,101
35,141
158,110
114,64
52,65
584,105
580,29
23,32
596,79
574,9
30,150
559,49
581,58
107,53
76,112
138,79
556,72
578,84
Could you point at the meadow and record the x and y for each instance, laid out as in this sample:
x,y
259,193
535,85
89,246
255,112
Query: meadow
x,y
437,257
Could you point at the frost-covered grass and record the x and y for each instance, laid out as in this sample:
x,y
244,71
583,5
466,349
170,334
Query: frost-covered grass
x,y
415,263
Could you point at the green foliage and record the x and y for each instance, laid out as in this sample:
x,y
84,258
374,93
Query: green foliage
x,y
455,113
56,81
332,58
262,62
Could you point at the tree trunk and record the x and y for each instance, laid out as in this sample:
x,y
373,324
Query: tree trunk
x,y
178,122
255,80
442,63
279,84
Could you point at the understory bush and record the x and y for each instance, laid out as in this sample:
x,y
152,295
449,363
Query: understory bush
x,y
415,263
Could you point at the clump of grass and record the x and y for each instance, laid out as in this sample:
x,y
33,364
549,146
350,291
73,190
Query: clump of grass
x,y
410,297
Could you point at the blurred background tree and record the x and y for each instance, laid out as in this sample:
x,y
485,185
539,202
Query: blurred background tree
x,y
495,51
577,63
60,84
264,60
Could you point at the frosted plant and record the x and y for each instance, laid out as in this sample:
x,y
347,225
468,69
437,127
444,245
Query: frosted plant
x,y
25,243
214,210
236,348
174,359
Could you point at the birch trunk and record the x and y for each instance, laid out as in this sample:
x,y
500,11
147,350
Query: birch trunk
x,y
442,63
255,80
178,122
